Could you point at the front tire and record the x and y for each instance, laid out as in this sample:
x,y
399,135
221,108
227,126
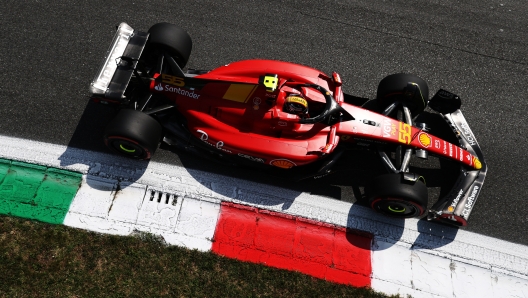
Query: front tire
x,y
392,88
392,195
133,134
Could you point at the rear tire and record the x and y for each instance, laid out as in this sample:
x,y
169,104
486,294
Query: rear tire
x,y
392,195
391,89
173,39
133,134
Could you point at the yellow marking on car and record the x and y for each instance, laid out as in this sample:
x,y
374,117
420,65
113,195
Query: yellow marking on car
x,y
476,163
404,134
298,100
425,140
176,81
239,92
270,82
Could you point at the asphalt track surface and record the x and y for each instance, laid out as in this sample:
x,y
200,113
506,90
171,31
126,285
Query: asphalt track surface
x,y
50,51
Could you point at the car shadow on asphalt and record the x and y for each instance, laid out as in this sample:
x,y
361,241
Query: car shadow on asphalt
x,y
88,137
346,184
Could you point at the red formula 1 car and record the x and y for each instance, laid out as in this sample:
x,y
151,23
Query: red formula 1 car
x,y
278,114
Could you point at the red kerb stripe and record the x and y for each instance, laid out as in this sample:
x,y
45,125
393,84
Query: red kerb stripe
x,y
287,242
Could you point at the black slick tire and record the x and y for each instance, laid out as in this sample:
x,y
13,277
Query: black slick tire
x,y
392,195
172,39
391,89
133,134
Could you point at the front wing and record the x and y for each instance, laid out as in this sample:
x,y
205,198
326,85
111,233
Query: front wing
x,y
456,206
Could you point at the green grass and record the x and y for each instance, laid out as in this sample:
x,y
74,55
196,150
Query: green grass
x,y
43,260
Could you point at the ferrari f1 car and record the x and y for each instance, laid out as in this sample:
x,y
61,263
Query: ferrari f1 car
x,y
278,114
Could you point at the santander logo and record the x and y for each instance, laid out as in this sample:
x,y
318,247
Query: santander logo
x,y
189,93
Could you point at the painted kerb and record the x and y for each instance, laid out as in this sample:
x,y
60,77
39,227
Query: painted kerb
x,y
36,192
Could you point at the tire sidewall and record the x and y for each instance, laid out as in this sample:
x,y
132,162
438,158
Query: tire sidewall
x,y
384,189
133,129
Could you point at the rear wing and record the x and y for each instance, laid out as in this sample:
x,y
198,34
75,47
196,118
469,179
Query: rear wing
x,y
119,63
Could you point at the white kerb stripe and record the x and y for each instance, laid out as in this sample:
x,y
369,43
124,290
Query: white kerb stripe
x,y
180,220
423,251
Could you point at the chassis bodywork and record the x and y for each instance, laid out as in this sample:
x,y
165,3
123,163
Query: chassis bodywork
x,y
235,112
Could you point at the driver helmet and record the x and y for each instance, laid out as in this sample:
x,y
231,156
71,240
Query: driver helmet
x,y
296,104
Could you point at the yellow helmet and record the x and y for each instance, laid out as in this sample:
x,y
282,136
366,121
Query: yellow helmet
x,y
295,104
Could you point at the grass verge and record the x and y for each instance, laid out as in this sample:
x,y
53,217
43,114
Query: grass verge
x,y
43,260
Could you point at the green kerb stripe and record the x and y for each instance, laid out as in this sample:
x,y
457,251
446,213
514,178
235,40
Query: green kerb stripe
x,y
36,192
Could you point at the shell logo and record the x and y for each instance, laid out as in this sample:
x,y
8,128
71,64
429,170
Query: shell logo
x,y
425,140
282,163
476,163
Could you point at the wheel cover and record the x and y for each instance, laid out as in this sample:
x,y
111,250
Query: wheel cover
x,y
127,147
397,207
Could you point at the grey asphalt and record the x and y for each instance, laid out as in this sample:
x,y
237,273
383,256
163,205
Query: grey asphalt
x,y
50,51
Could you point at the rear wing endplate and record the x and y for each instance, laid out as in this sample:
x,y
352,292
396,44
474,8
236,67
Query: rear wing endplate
x,y
115,73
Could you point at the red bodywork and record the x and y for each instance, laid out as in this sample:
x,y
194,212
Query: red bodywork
x,y
232,111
